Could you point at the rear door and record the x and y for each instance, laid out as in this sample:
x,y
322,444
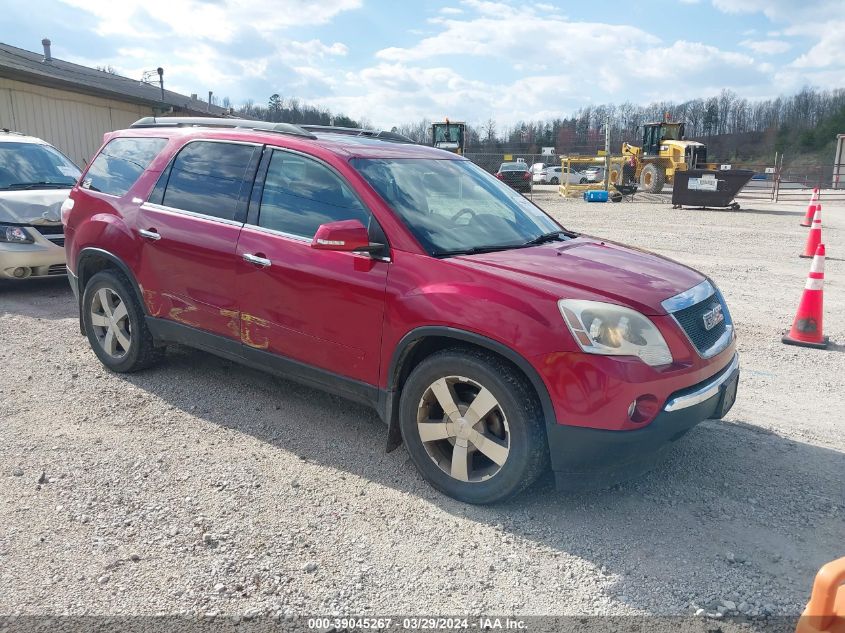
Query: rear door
x,y
189,227
322,308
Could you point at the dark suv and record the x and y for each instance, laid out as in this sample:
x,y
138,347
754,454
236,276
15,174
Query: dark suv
x,y
490,339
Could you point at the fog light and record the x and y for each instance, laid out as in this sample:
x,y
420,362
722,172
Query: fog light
x,y
643,409
20,272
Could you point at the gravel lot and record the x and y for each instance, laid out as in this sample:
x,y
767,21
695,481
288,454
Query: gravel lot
x,y
201,487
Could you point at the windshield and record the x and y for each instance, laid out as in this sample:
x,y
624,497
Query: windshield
x,y
454,206
34,166
513,167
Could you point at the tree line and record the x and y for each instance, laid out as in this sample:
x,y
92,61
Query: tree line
x,y
735,126
292,110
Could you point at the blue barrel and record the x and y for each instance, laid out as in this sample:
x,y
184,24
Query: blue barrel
x,y
595,195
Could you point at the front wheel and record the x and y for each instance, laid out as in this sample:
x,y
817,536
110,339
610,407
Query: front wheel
x,y
473,426
652,178
114,322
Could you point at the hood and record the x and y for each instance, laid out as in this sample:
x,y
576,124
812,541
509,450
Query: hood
x,y
588,268
32,206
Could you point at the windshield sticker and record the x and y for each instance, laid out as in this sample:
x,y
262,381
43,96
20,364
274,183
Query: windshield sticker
x,y
70,172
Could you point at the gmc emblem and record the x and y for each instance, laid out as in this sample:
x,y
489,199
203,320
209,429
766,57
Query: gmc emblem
x,y
713,317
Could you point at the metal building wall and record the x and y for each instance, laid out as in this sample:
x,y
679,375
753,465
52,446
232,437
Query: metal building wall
x,y
73,122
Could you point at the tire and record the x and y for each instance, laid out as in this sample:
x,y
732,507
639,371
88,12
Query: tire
x,y
512,430
652,178
583,181
554,181
616,175
122,343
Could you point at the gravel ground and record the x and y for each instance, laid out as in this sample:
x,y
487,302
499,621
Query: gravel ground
x,y
201,487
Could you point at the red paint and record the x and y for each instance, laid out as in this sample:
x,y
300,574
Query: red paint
x,y
346,312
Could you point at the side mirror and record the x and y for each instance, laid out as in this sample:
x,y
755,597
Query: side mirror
x,y
344,235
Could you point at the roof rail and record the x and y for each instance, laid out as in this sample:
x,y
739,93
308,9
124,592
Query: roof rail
x,y
264,126
354,131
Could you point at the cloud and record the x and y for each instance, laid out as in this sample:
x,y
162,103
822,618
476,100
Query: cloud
x,y
212,20
766,47
517,32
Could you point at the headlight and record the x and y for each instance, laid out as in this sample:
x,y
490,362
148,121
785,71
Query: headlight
x,y
608,329
15,234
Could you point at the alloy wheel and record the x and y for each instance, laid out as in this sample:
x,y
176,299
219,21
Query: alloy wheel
x,y
463,429
110,321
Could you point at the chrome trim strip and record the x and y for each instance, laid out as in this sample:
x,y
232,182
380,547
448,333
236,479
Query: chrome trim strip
x,y
263,229
703,393
690,297
152,206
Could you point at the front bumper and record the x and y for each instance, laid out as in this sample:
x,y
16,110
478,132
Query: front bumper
x,y
591,459
39,259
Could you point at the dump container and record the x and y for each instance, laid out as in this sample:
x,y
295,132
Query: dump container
x,y
595,195
708,187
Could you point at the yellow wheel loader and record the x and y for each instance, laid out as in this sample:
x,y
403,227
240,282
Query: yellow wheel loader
x,y
449,135
664,151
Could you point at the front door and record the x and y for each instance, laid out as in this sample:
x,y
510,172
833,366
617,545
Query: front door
x,y
190,227
321,308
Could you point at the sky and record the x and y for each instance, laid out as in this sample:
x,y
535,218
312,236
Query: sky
x,y
400,61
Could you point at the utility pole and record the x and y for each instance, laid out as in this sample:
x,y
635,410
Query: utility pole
x,y
606,153
160,72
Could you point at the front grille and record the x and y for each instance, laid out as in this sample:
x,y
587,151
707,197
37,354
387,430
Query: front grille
x,y
59,241
57,269
691,320
50,229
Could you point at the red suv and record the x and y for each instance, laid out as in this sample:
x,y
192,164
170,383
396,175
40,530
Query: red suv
x,y
491,340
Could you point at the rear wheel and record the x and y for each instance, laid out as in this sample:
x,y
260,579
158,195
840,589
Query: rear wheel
x,y
652,178
114,323
473,426
555,181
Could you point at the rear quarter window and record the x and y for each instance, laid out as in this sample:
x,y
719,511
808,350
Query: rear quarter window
x,y
121,162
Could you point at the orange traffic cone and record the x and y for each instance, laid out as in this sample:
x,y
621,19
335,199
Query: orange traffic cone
x,y
825,612
807,328
811,208
814,237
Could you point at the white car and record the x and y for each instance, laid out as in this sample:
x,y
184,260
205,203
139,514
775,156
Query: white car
x,y
554,176
35,179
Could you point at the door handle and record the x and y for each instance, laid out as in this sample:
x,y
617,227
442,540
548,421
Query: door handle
x,y
150,235
263,262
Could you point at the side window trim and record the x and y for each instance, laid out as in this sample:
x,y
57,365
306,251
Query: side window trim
x,y
152,206
258,186
243,195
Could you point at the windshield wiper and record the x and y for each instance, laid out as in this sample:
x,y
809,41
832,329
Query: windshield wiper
x,y
547,237
38,185
475,250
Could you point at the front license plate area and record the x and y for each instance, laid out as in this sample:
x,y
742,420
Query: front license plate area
x,y
727,397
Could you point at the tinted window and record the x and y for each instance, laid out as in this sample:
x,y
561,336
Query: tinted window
x,y
209,178
121,163
300,194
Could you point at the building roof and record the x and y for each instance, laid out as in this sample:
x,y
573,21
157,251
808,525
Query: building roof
x,y
17,63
